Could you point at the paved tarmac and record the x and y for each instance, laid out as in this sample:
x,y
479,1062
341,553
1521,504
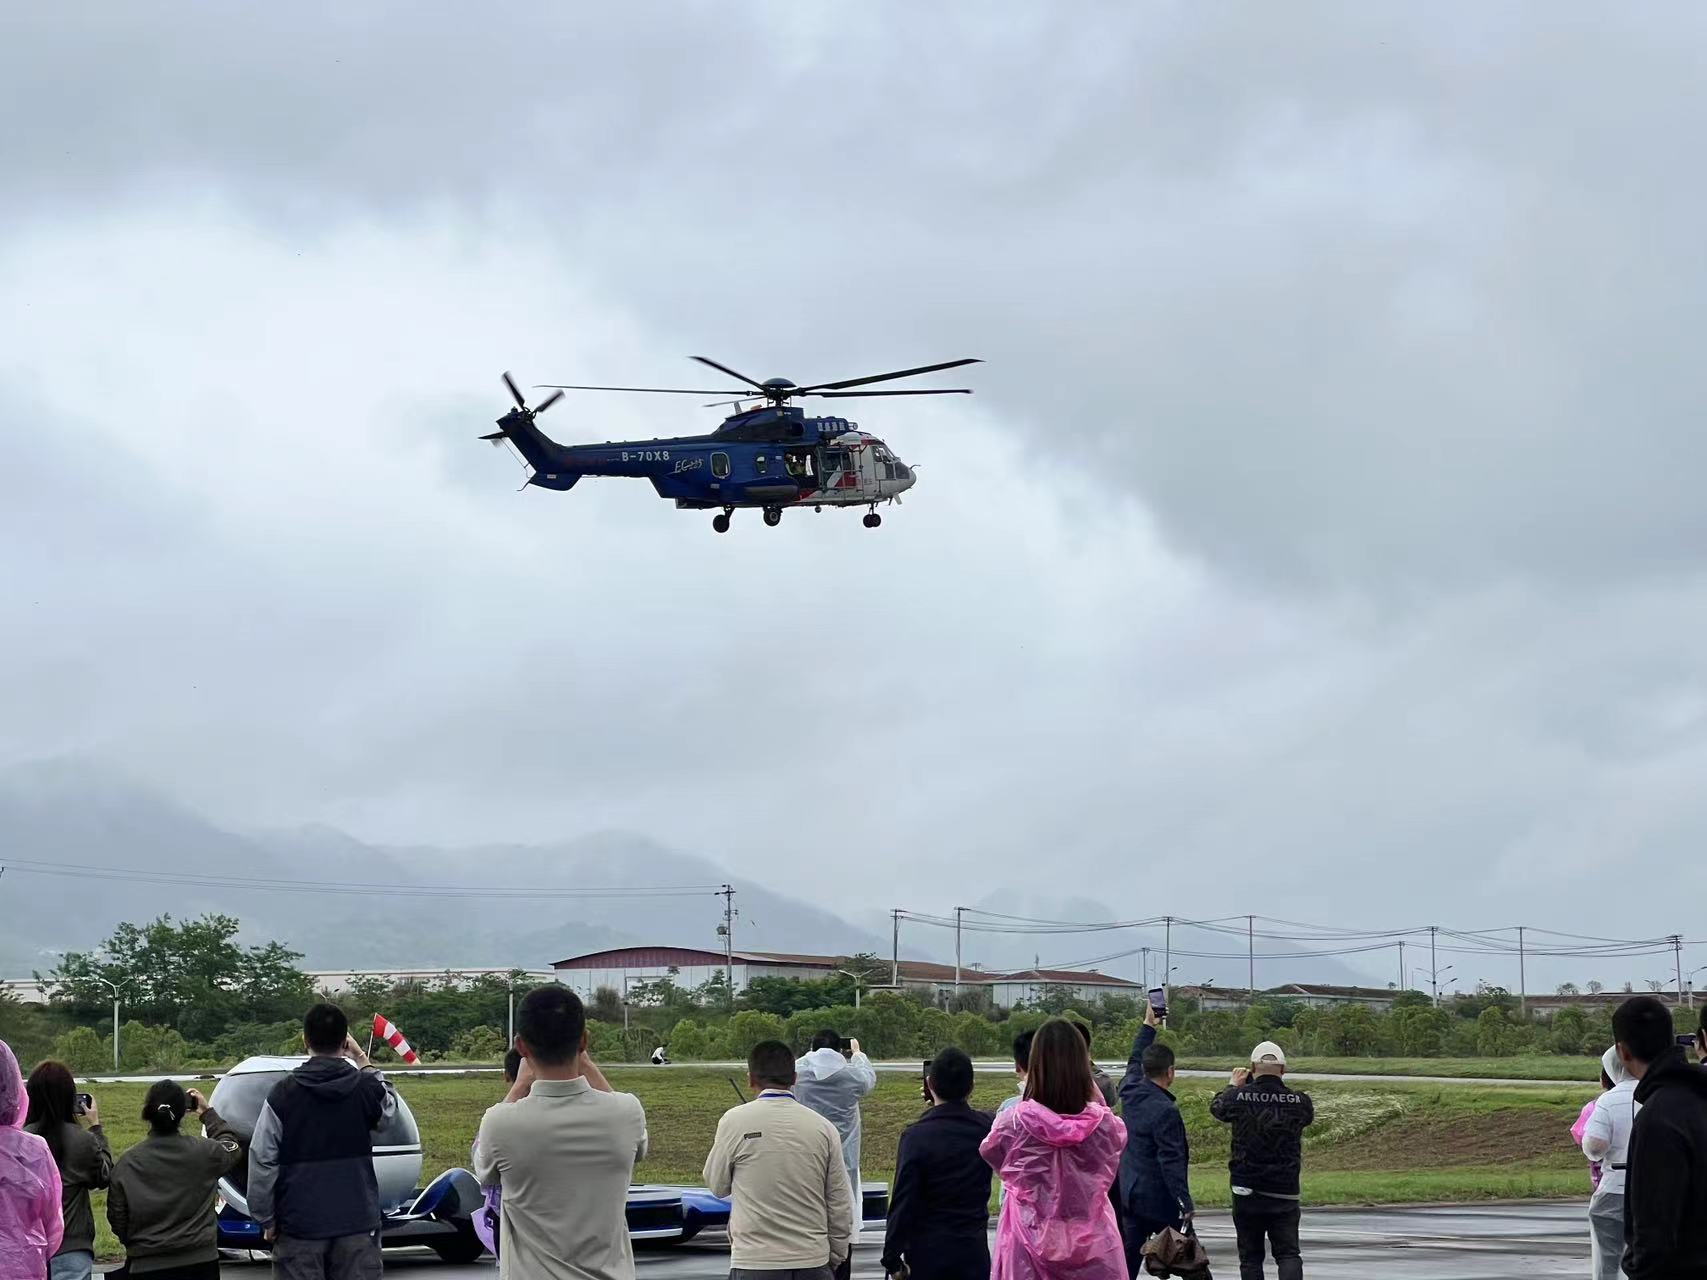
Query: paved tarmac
x,y
1531,1241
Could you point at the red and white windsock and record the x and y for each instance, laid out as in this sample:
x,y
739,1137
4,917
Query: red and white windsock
x,y
383,1030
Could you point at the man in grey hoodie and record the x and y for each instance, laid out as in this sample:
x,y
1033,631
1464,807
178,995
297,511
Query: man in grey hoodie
x,y
312,1185
832,1082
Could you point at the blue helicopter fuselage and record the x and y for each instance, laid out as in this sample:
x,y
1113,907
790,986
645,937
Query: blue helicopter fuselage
x,y
769,457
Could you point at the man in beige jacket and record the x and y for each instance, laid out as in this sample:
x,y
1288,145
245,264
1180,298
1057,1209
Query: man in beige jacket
x,y
792,1216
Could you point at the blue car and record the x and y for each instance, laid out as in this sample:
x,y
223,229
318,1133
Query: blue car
x,y
702,1211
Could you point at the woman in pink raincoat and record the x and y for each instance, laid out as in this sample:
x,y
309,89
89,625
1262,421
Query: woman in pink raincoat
x,y
30,1223
1057,1153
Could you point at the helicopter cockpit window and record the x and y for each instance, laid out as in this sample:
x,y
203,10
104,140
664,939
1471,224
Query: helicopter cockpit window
x,y
720,466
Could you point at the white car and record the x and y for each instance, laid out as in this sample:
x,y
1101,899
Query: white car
x,y
439,1215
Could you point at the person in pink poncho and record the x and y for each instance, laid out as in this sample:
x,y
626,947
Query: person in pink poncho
x,y
1057,1153
30,1223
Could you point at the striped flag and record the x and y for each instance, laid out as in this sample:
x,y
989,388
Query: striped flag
x,y
383,1030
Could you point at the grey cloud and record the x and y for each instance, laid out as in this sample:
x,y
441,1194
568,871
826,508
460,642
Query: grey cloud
x,y
1346,297
1327,513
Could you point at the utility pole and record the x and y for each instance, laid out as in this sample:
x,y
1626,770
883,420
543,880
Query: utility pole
x,y
958,913
895,952
1401,964
1251,952
727,893
1167,952
1146,951
1522,979
1433,965
1677,956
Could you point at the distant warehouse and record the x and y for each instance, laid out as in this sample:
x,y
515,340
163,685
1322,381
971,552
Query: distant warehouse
x,y
621,968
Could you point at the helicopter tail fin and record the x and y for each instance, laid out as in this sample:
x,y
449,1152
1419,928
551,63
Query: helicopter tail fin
x,y
549,460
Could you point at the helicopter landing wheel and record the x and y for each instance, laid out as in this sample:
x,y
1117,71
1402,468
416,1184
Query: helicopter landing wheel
x,y
773,516
720,522
872,520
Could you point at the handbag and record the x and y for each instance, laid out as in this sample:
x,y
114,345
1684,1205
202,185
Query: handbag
x,y
1171,1252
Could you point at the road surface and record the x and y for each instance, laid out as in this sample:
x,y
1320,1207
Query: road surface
x,y
1532,1241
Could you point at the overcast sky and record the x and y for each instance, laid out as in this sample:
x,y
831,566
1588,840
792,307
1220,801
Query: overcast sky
x,y
1325,538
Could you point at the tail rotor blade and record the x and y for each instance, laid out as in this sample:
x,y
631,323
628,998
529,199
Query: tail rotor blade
x,y
515,392
546,403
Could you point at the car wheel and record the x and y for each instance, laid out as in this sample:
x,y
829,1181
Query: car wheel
x,y
464,1247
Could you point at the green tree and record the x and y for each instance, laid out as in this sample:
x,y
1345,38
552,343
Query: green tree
x,y
1494,1034
1417,1031
606,1005
749,1026
149,1048
83,1050
480,1044
190,975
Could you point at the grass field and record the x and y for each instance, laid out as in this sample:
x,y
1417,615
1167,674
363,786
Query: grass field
x,y
1372,1143
1537,1067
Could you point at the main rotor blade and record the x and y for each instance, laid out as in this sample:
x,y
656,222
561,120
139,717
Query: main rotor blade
x,y
511,384
663,391
546,403
886,377
723,368
855,395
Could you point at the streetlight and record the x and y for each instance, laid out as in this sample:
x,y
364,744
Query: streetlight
x,y
857,980
1689,984
115,988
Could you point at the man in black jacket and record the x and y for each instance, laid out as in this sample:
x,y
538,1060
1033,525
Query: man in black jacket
x,y
312,1185
1154,1168
1665,1178
1268,1122
939,1211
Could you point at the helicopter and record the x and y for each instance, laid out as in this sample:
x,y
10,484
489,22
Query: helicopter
x,y
769,455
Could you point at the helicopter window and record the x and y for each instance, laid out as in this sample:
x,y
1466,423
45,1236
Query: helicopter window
x,y
720,465
759,463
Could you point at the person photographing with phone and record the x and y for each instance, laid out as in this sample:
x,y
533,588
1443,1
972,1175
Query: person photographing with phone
x,y
312,1185
832,1079
84,1160
160,1203
939,1209
1155,1188
1268,1120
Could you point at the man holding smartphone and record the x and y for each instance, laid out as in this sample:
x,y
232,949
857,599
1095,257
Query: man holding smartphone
x,y
1154,1184
1268,1120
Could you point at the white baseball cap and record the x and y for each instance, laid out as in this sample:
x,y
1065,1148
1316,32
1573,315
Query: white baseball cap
x,y
1268,1051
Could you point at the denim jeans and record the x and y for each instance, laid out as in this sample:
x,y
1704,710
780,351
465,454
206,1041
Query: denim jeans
x,y
76,1265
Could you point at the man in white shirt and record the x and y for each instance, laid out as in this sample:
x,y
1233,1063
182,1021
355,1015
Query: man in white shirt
x,y
780,1164
562,1148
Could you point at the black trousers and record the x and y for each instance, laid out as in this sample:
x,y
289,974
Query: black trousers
x,y
1259,1218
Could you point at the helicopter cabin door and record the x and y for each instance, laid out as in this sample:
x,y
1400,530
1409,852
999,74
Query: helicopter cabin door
x,y
839,468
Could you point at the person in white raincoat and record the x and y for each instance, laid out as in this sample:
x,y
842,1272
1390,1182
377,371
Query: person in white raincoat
x,y
1607,1139
832,1085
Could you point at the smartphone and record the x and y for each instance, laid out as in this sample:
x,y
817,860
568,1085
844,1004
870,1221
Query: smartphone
x,y
1686,1042
84,1102
1159,1002
925,1080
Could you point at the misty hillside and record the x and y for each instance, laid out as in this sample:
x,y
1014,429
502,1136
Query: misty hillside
x,y
74,812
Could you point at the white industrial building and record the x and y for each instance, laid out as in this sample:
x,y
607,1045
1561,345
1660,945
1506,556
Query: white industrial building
x,y
622,968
